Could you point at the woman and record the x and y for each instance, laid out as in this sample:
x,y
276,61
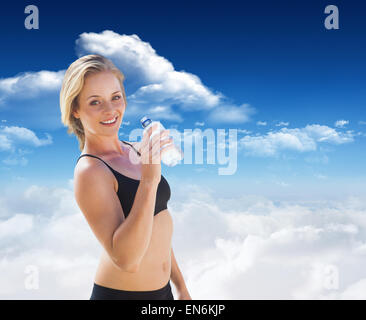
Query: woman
x,y
119,187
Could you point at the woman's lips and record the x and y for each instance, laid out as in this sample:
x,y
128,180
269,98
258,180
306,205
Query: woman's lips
x,y
110,124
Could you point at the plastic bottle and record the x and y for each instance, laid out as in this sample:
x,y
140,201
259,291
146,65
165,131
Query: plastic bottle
x,y
170,157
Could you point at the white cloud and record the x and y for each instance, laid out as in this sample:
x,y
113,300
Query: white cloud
x,y
137,55
268,251
184,88
14,161
16,156
261,123
231,114
51,235
10,139
15,226
341,123
30,84
355,291
5,143
14,134
282,124
298,139
244,131
323,133
227,248
251,247
320,176
157,81
164,113
138,58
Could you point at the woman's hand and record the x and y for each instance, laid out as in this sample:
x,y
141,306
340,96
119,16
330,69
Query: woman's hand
x,y
150,151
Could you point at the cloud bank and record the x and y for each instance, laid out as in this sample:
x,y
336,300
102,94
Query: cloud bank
x,y
247,247
297,139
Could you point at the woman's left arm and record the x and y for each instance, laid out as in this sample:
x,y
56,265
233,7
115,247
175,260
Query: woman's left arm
x,y
177,278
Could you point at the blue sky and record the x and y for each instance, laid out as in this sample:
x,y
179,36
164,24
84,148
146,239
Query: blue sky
x,y
276,58
294,90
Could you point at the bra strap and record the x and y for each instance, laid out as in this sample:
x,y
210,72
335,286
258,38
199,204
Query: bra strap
x,y
90,155
132,147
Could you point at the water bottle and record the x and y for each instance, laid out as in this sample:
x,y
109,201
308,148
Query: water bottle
x,y
170,157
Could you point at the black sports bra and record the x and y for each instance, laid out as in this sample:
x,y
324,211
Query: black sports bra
x,y
127,188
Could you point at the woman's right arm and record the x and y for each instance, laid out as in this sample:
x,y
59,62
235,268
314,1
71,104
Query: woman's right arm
x,y
125,239
132,238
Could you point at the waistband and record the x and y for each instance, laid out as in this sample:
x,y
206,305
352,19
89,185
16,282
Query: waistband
x,y
111,290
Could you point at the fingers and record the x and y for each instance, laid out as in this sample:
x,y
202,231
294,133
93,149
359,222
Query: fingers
x,y
153,144
148,133
166,142
155,139
160,140
157,147
167,146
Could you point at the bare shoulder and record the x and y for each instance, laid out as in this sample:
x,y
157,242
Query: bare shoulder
x,y
92,170
87,165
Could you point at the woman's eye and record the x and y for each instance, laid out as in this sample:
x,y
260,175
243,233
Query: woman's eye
x,y
92,103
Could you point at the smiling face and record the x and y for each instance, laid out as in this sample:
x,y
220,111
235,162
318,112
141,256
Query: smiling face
x,y
100,101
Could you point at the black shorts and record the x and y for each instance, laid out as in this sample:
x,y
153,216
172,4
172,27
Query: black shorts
x,y
104,293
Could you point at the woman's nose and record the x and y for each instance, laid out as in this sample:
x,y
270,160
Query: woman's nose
x,y
108,106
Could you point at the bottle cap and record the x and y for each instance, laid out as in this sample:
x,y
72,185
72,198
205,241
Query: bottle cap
x,y
145,121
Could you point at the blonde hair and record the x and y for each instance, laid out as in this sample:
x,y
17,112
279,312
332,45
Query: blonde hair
x,y
72,85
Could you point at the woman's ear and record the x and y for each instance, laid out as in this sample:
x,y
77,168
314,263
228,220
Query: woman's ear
x,y
75,114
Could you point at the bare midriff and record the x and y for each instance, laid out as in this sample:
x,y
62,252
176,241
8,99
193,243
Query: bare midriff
x,y
155,267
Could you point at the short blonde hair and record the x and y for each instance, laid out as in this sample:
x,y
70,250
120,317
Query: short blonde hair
x,y
72,85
